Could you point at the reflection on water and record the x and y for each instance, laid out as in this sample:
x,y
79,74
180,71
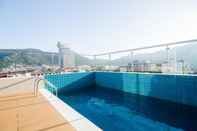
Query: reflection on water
x,y
115,110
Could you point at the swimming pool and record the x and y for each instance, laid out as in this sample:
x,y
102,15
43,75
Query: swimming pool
x,y
114,109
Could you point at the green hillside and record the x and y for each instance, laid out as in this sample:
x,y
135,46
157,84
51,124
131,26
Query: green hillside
x,y
8,57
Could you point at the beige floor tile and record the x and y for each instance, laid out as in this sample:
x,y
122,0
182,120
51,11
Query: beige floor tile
x,y
21,110
8,120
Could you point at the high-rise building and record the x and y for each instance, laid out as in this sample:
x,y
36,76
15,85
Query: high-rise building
x,y
66,56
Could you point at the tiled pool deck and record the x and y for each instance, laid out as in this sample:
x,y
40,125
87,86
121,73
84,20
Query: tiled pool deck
x,y
20,110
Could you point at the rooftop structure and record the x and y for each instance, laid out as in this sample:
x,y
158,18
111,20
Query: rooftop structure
x,y
66,56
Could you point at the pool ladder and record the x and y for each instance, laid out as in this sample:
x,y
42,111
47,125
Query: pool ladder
x,y
36,85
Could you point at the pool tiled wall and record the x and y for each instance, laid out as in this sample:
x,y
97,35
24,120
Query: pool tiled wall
x,y
71,80
176,88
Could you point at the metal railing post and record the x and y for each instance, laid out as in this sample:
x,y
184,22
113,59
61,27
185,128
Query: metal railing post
x,y
36,84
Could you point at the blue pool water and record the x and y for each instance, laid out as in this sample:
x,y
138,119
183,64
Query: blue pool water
x,y
116,110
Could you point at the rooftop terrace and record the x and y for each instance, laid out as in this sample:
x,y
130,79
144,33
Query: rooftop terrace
x,y
21,110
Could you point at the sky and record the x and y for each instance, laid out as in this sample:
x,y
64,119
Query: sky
x,y
95,26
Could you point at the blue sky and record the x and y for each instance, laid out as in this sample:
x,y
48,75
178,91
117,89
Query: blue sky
x,y
93,26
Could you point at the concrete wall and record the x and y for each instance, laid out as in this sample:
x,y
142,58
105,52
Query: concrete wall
x,y
176,88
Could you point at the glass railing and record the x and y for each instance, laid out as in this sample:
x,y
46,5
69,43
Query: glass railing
x,y
176,58
173,58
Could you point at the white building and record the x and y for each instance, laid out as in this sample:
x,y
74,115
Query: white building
x,y
66,56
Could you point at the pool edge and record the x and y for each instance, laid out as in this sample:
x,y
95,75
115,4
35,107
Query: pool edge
x,y
78,121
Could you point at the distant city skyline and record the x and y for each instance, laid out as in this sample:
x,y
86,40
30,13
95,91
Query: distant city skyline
x,y
95,26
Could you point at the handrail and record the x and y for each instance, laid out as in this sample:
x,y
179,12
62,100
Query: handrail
x,y
53,86
36,85
145,47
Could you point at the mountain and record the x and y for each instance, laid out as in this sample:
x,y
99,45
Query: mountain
x,y
35,57
26,57
187,53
